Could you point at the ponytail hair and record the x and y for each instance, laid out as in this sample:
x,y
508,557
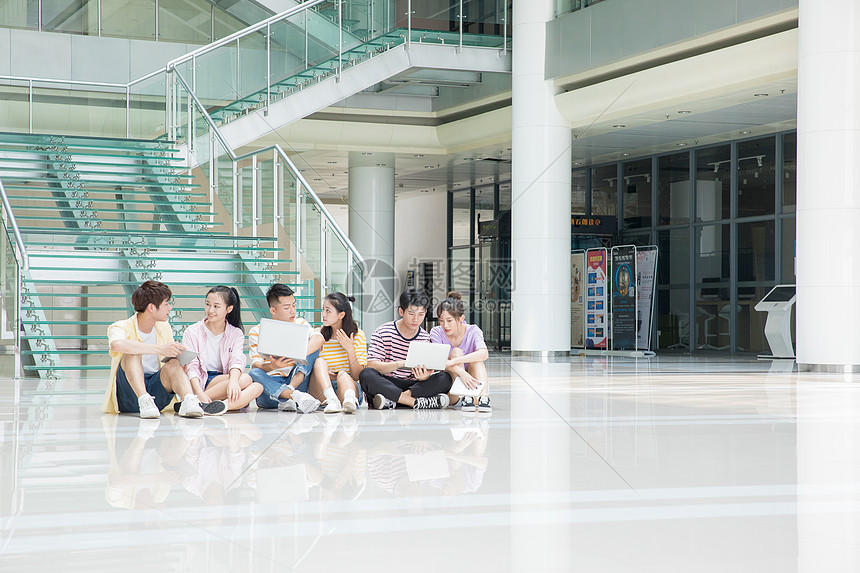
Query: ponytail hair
x,y
341,303
453,305
230,296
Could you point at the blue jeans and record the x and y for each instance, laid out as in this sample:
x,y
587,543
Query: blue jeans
x,y
273,386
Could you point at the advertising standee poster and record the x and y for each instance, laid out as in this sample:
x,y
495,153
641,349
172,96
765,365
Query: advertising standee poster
x,y
577,300
646,270
624,289
595,299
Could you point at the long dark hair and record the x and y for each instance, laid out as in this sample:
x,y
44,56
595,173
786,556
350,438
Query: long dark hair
x,y
230,296
341,303
453,305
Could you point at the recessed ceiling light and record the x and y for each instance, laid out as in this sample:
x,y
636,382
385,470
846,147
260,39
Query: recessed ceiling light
x,y
625,154
380,165
428,167
685,111
366,153
761,95
745,132
577,163
682,145
418,155
332,162
619,125
317,179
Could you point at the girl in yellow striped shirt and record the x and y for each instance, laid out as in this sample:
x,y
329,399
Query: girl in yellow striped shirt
x,y
343,355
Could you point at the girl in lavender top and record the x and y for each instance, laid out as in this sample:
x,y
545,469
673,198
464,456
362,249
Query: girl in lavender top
x,y
468,349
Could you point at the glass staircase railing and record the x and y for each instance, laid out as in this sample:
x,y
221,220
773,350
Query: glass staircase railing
x,y
99,216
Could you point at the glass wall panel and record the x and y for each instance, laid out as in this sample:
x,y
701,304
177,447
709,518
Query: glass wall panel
x,y
636,187
71,16
579,189
789,250
19,13
756,177
185,21
713,245
604,190
789,183
638,239
673,189
713,183
484,204
224,24
129,19
756,252
673,266
461,275
750,323
461,217
673,318
712,317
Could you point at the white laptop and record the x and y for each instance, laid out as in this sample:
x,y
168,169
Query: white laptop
x,y
284,339
427,354
460,389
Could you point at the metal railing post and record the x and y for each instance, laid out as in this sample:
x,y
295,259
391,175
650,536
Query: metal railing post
x,y
268,66
461,24
339,38
128,111
300,212
505,30
323,276
30,87
213,174
18,324
254,198
408,21
276,189
235,198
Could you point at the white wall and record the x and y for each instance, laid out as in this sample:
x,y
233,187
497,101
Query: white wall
x,y
420,233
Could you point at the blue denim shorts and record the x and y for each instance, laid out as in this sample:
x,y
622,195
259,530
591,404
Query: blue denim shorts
x,y
126,398
210,375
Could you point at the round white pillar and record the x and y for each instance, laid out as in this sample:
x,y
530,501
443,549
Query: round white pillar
x,y
828,191
541,180
371,230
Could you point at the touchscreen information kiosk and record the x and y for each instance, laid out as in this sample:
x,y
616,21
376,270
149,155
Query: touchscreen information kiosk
x,y
777,303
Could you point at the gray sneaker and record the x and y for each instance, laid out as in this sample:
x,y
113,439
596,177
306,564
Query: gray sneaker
x,y
380,402
214,408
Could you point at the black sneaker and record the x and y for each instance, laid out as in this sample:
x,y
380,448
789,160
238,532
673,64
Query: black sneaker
x,y
436,402
484,405
214,408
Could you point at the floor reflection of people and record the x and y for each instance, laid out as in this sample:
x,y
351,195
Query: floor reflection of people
x,y
149,457
451,465
143,466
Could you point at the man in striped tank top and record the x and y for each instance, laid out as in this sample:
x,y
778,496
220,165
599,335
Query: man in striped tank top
x,y
386,380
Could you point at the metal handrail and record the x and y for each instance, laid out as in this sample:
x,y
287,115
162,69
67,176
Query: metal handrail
x,y
24,258
245,32
277,148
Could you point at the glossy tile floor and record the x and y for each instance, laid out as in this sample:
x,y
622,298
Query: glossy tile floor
x,y
605,465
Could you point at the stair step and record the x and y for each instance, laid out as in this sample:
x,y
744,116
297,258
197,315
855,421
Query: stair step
x,y
172,271
110,210
154,254
127,221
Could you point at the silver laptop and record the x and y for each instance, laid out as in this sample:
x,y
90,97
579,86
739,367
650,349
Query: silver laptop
x,y
427,354
285,339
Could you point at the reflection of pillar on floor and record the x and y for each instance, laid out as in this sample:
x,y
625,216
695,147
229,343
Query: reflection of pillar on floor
x,y
828,143
828,471
541,187
371,230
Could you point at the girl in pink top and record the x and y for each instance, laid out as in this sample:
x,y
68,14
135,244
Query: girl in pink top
x,y
468,350
218,371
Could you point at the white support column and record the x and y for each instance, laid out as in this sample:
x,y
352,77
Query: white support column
x,y
371,230
828,191
541,174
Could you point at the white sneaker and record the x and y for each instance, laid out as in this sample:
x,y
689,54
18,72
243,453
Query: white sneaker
x,y
190,407
147,406
289,405
305,403
350,405
333,407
